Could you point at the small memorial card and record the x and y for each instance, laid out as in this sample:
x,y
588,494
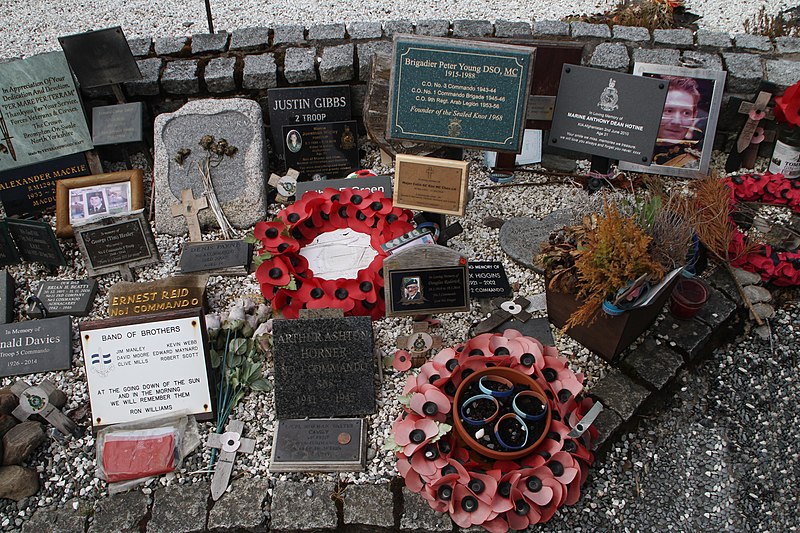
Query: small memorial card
x,y
145,366
63,297
228,257
431,184
117,244
35,346
319,445
487,279
36,242
329,149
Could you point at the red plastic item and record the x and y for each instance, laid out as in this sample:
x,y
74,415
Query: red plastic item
x,y
138,453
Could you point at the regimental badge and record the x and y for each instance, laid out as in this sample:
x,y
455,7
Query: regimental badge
x,y
101,364
348,140
609,98
454,128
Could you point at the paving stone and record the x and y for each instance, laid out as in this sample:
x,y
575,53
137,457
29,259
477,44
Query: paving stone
x,y
260,72
618,392
717,311
472,28
298,65
418,516
692,58
148,84
550,27
140,47
744,72
251,38
168,46
180,77
365,29
654,363
744,277
369,505
391,27
757,294
324,32
682,37
584,29
179,508
631,33
660,56
219,75
753,42
787,45
433,27
241,508
288,33
721,280
688,337
611,56
783,72
318,509
365,53
716,39
336,63
606,423
120,513
64,519
210,42
507,28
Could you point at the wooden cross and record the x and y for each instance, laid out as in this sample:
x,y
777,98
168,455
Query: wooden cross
x,y
188,208
504,310
35,400
285,185
229,443
420,343
756,112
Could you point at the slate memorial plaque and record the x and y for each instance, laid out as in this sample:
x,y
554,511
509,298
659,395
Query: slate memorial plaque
x,y
41,116
487,279
100,57
371,183
168,294
7,293
460,93
431,184
329,149
319,445
324,367
9,255
36,241
117,124
608,114
32,189
117,243
224,257
145,366
35,346
306,105
72,297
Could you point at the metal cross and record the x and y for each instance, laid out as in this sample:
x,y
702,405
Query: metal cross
x,y
504,310
35,400
188,208
229,443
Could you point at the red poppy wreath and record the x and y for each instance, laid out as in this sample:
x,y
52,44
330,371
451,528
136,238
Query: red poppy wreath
x,y
284,274
451,476
779,267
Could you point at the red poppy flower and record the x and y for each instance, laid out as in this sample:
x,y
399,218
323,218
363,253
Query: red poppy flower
x,y
282,301
467,509
787,106
429,400
432,373
269,233
413,480
401,361
429,460
274,272
413,432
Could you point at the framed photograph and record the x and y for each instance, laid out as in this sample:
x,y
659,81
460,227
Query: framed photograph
x,y
688,120
86,199
431,184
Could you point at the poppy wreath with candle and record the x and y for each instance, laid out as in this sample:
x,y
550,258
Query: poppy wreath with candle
x,y
475,384
284,274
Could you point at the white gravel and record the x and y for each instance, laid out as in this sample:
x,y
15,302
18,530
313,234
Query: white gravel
x,y
30,27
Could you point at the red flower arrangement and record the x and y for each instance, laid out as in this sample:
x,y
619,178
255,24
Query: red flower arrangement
x,y
779,267
285,277
474,490
787,106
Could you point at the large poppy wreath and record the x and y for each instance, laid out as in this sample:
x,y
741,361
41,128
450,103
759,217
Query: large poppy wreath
x,y
285,277
778,267
500,494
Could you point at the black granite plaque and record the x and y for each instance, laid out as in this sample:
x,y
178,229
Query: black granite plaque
x,y
608,114
230,256
100,57
36,241
63,297
329,149
372,184
306,105
9,255
7,292
117,243
319,445
35,346
538,328
117,124
32,189
324,367
487,279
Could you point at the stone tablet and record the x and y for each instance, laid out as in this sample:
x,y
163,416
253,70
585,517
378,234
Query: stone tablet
x,y
176,292
9,255
7,293
32,189
232,257
117,124
64,297
521,237
117,244
36,242
371,183
319,445
238,181
36,346
324,367
329,149
145,366
100,57
487,279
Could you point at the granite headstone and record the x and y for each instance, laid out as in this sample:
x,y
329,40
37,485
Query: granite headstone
x,y
35,346
329,149
72,297
32,189
487,279
319,445
117,124
176,292
7,291
230,257
36,242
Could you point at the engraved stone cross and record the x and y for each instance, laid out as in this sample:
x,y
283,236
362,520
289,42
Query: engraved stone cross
x,y
229,443
188,207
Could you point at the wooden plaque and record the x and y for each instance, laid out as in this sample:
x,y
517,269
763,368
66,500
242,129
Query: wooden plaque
x,y
431,184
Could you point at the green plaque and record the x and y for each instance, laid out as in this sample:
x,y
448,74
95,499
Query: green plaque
x,y
41,116
460,93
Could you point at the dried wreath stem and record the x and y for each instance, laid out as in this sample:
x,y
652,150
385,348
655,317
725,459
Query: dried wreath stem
x,y
213,203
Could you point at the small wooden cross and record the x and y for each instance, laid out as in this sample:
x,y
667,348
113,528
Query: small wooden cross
x,y
229,443
420,343
756,112
188,208
504,310
35,400
285,185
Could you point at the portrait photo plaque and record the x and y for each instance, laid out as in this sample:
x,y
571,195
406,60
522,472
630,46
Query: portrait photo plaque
x,y
431,184
329,149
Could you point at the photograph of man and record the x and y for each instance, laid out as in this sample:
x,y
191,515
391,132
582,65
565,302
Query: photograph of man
x,y
77,210
412,291
97,205
680,134
117,198
294,141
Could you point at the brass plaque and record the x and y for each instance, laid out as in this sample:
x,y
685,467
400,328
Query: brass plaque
x,y
431,184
